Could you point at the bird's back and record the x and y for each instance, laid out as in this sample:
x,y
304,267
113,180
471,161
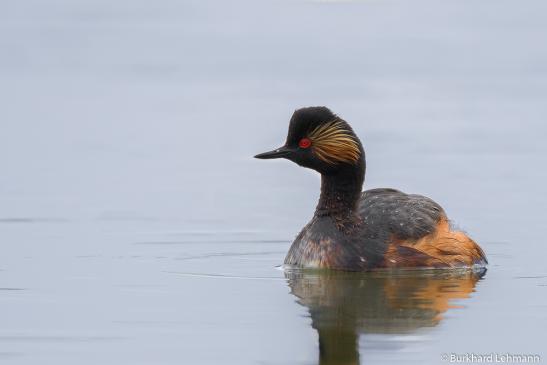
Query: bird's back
x,y
418,231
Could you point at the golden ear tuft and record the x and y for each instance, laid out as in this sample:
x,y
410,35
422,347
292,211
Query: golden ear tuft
x,y
332,142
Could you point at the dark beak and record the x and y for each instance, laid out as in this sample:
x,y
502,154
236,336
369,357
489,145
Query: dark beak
x,y
281,152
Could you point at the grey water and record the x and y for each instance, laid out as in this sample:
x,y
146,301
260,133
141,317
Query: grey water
x,y
135,227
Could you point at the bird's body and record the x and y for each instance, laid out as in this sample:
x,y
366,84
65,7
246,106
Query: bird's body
x,y
391,230
374,229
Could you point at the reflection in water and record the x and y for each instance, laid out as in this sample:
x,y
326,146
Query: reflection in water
x,y
344,304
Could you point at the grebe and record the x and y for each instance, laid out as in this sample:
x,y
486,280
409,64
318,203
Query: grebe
x,y
360,231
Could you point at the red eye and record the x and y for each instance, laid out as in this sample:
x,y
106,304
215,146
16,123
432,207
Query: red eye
x,y
304,143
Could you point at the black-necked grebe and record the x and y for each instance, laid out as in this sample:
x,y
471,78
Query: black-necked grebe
x,y
354,230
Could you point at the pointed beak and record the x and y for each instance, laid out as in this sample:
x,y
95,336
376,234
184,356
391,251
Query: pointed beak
x,y
281,152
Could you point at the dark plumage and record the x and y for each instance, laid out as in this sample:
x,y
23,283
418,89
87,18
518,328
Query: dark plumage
x,y
354,230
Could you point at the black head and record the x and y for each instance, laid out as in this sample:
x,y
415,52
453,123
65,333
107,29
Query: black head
x,y
320,140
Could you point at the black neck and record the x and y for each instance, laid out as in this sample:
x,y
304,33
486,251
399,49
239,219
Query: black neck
x,y
340,191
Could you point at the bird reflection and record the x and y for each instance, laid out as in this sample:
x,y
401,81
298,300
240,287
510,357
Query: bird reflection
x,y
344,304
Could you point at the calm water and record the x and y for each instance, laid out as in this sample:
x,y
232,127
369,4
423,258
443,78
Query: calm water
x,y
136,228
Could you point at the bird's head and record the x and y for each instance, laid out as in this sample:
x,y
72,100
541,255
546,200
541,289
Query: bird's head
x,y
320,140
